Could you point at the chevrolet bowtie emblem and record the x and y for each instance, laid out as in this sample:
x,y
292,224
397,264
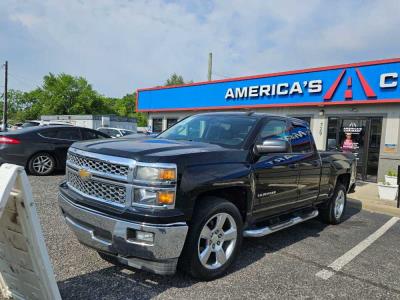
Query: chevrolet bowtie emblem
x,y
84,174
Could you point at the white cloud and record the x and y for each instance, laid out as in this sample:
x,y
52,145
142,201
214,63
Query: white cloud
x,y
120,45
26,19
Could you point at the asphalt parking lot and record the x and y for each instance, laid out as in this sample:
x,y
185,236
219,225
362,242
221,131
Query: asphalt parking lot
x,y
282,265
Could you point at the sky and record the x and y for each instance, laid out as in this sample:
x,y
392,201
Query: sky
x,y
119,46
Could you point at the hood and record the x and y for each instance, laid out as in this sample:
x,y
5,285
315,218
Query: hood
x,y
147,150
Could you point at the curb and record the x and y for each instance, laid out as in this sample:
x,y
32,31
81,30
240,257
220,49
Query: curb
x,y
372,206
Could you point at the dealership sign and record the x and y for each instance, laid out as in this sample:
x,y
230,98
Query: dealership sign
x,y
362,83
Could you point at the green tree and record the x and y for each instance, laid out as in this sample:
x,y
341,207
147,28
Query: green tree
x,y
67,95
126,107
21,106
174,79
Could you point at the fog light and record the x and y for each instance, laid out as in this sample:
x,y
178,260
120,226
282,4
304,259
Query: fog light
x,y
145,236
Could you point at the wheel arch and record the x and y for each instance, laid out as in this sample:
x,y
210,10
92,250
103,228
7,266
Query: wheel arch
x,y
237,195
344,179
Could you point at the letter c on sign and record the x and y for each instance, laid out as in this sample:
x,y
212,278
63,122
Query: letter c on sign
x,y
388,80
282,89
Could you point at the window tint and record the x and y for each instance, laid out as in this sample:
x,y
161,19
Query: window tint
x,y
300,139
306,119
50,133
71,134
274,129
103,130
109,131
92,135
229,131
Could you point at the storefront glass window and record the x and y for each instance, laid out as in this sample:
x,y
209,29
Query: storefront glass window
x,y
360,136
171,122
332,134
157,125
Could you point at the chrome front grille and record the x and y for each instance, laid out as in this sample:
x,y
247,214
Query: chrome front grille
x,y
109,169
98,189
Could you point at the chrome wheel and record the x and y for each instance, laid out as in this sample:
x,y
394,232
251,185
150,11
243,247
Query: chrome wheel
x,y
42,164
217,241
339,204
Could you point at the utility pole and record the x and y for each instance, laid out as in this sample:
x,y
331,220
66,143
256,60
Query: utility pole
x,y
5,96
209,66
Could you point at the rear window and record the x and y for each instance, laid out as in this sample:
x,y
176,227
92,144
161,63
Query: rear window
x,y
108,131
92,135
49,133
300,139
71,134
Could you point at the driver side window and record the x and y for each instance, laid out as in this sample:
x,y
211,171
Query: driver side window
x,y
273,129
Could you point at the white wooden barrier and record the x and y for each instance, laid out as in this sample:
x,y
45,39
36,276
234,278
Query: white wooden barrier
x,y
25,267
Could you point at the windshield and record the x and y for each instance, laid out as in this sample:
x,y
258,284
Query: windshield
x,y
224,130
29,124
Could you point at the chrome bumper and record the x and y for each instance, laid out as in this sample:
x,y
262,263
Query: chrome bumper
x,y
115,237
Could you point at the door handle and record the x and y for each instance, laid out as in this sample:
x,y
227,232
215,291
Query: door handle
x,y
293,166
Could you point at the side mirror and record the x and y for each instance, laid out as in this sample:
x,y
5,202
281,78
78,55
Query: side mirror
x,y
271,146
118,135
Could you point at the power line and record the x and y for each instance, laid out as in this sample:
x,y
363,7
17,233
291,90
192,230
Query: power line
x,y
5,96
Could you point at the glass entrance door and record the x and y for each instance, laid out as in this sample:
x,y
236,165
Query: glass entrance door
x,y
362,137
374,145
352,138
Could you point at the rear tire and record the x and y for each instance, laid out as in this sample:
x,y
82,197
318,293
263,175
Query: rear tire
x,y
334,212
214,239
41,164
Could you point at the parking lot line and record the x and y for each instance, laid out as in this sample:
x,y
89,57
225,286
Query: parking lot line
x,y
352,253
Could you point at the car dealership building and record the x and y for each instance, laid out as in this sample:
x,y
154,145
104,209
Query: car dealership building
x,y
351,107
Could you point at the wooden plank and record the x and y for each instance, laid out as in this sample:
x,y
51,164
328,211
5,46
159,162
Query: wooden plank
x,y
25,268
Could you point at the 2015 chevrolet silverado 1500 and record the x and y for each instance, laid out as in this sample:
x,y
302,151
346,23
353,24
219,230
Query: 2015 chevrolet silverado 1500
x,y
187,197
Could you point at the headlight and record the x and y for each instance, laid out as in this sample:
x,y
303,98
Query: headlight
x,y
153,197
145,173
155,185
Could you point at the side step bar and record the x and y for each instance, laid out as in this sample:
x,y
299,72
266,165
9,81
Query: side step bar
x,y
258,232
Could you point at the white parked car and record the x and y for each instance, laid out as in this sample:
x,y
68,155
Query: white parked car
x,y
115,132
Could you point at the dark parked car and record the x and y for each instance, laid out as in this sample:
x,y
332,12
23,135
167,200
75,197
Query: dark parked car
x,y
42,149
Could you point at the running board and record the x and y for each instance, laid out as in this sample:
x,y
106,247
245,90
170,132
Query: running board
x,y
274,228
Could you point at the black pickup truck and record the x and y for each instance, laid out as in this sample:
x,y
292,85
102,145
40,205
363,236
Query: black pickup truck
x,y
188,196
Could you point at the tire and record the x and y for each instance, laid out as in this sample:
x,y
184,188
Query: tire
x,y
208,238
335,210
41,164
